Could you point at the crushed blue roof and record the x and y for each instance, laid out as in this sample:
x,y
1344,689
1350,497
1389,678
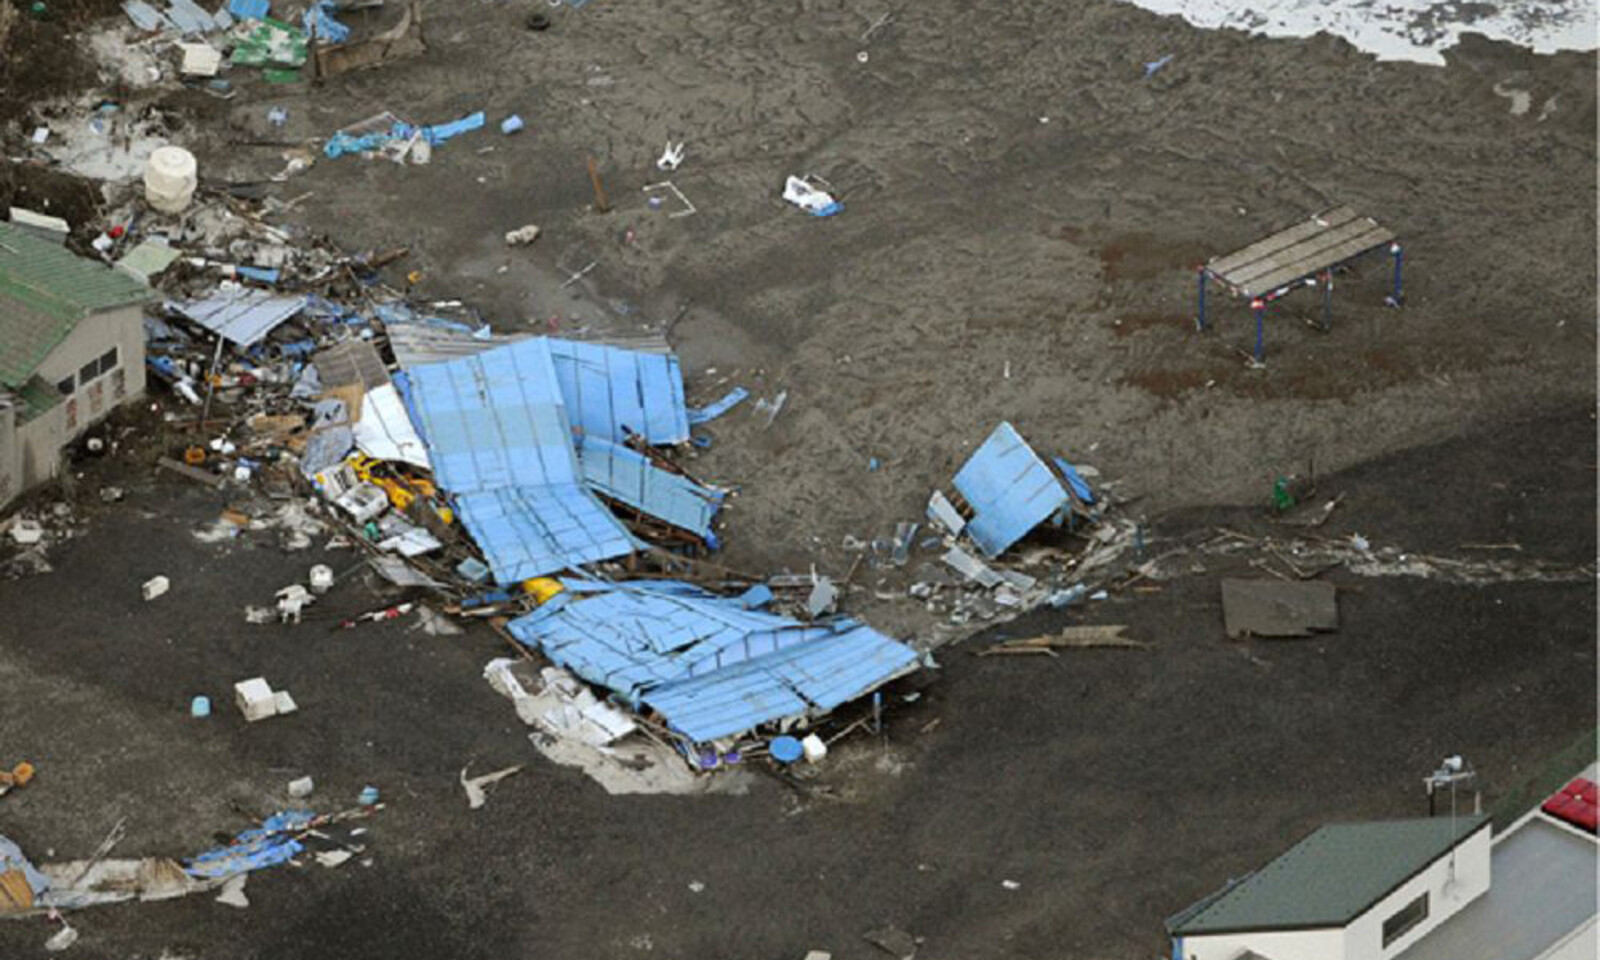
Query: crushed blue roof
x,y
1009,489
627,476
709,665
499,439
611,392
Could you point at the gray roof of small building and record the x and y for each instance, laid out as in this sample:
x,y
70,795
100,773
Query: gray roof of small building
x,y
1329,878
1543,888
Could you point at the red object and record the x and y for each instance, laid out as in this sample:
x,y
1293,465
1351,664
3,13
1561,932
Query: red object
x,y
1575,803
116,232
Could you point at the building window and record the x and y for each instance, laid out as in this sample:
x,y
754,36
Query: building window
x,y
88,372
65,387
119,384
108,361
1408,916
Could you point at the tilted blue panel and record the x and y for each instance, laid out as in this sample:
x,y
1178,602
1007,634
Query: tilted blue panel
x,y
1010,490
497,434
708,665
627,476
608,389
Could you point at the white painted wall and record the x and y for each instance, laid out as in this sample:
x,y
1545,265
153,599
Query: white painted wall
x,y
1326,944
1362,939
1364,936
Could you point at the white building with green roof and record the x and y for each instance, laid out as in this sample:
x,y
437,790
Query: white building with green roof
x,y
1349,891
71,351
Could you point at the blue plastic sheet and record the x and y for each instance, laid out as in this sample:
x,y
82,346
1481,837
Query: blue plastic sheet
x,y
268,845
249,9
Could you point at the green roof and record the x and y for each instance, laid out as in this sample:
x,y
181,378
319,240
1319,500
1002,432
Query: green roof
x,y
1329,878
37,397
45,289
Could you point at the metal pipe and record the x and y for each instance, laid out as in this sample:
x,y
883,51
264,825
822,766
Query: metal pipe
x,y
1200,321
1259,306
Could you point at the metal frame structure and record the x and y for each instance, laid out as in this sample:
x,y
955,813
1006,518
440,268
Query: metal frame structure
x,y
1303,255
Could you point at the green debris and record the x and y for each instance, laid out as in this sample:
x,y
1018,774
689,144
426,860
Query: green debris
x,y
1281,497
269,42
279,75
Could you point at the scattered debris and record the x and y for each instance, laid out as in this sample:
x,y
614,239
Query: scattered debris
x,y
801,192
155,587
1080,638
893,941
476,786
522,236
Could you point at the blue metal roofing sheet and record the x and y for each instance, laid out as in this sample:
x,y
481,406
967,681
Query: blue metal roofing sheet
x,y
1009,488
242,315
497,434
608,389
709,665
533,531
627,476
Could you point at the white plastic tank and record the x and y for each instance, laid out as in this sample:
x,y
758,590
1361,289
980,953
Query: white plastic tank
x,y
170,176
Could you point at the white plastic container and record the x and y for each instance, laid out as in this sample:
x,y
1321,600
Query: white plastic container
x,y
321,578
155,587
170,176
255,699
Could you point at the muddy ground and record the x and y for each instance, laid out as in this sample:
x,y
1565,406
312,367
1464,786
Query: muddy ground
x,y
1115,786
989,265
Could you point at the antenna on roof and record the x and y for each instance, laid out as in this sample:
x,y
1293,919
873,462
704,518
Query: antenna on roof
x,y
1451,772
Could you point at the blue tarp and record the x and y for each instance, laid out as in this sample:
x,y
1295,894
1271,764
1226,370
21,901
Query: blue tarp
x,y
272,843
708,664
249,9
319,23
499,439
342,143
1010,490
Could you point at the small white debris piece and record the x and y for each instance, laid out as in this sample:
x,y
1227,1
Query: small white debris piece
x,y
283,703
255,699
670,157
155,587
1011,884
27,532
301,788
476,786
333,858
233,891
522,236
200,59
61,939
695,886
944,513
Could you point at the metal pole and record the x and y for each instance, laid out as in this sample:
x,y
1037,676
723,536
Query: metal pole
x,y
1396,298
1327,300
1260,307
1200,321
211,383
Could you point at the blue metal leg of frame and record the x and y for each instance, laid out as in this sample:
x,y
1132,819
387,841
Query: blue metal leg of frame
x,y
1260,309
1200,320
1327,301
1396,298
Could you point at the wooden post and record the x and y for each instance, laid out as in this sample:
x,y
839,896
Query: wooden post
x,y
600,203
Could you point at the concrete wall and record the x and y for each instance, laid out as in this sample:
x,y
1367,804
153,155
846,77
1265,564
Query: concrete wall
x,y
39,441
10,453
1364,936
1326,944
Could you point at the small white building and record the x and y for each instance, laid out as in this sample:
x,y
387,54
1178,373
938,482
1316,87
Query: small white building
x,y
1351,891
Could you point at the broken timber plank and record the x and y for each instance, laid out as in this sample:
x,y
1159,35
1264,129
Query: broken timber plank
x,y
193,473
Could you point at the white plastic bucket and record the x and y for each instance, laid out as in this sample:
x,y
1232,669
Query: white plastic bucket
x,y
170,176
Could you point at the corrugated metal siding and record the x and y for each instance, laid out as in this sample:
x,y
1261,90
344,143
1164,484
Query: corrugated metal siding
x,y
1010,490
497,434
708,665
610,392
242,316
627,476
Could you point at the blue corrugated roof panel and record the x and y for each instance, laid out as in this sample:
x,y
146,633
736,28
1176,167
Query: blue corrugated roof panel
x,y
1010,490
608,389
497,435
707,664
627,476
534,531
